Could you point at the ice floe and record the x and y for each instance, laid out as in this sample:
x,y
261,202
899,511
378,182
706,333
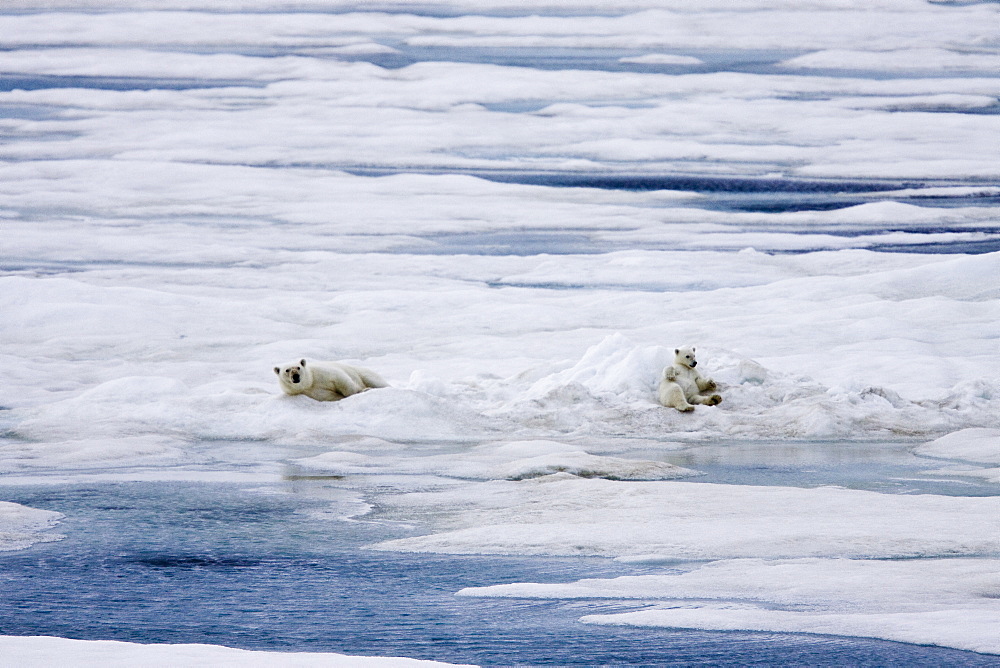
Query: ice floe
x,y
21,527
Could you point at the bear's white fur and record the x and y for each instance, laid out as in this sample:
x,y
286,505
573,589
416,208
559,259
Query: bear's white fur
x,y
681,386
326,381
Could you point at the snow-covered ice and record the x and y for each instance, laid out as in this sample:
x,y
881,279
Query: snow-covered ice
x,y
515,212
39,651
949,601
977,450
564,514
21,527
506,460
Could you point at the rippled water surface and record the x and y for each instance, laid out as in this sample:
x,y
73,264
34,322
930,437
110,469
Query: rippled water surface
x,y
255,569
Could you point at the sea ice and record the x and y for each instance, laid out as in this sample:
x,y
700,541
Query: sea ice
x,y
502,460
41,652
972,445
967,446
195,190
564,514
825,560
22,527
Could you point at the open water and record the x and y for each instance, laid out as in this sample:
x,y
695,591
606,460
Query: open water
x,y
268,568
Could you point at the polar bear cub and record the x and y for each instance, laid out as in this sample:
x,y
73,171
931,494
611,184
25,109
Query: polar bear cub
x,y
681,386
326,381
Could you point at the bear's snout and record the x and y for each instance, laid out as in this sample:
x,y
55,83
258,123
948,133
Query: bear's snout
x,y
296,378
693,364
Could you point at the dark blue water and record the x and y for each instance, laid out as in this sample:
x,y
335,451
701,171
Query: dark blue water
x,y
211,563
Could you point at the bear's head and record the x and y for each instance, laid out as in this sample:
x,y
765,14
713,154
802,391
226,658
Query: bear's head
x,y
294,374
685,357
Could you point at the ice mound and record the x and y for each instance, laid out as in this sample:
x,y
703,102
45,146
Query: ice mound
x,y
970,447
21,527
614,368
153,418
612,390
609,391
974,445
170,410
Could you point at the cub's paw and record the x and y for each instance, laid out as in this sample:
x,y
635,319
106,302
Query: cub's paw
x,y
714,400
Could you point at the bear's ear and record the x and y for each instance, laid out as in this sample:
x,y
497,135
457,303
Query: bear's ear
x,y
677,351
302,362
277,371
693,349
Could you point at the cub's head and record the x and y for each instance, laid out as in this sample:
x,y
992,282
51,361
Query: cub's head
x,y
685,357
292,374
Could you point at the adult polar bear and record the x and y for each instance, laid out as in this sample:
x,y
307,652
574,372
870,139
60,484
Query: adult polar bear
x,y
326,381
681,386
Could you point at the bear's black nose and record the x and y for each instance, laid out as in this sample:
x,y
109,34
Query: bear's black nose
x,y
295,377
693,365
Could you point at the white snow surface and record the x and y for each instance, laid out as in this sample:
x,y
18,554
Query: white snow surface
x,y
22,527
950,602
43,651
974,445
564,514
977,450
200,190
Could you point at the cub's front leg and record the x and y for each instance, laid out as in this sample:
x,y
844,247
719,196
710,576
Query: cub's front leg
x,y
705,384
